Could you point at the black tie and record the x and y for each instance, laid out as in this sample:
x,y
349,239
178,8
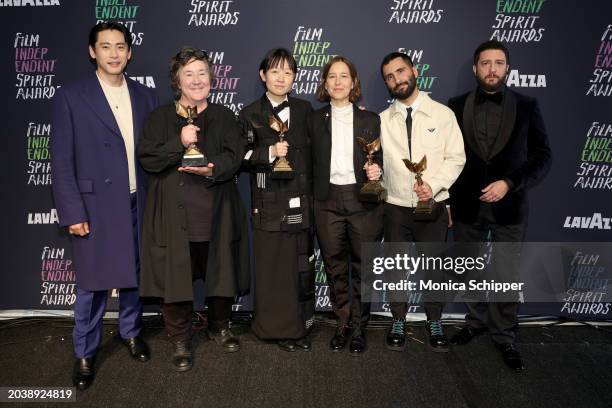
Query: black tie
x,y
409,131
278,109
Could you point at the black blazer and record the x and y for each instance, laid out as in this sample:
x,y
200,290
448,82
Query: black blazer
x,y
521,154
272,202
365,124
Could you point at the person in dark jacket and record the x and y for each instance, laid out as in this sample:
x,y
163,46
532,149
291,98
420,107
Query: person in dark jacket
x,y
281,207
508,153
342,221
99,191
195,223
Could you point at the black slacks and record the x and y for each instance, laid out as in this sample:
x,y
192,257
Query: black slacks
x,y
400,226
499,317
178,316
343,224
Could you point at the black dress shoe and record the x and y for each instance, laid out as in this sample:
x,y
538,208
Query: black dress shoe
x,y
83,373
466,334
396,336
182,359
227,339
436,339
511,356
138,349
303,344
287,345
358,343
338,342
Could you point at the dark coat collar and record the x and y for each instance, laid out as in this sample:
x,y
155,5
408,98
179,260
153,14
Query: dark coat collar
x,y
94,96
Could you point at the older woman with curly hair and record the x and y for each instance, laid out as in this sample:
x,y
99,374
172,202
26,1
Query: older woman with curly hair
x,y
194,223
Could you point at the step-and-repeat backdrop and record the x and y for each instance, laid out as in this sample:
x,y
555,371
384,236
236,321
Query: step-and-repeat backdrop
x,y
561,53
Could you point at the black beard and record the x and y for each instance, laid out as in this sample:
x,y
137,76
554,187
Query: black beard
x,y
401,95
488,87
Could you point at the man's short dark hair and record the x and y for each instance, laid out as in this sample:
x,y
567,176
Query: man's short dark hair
x,y
182,58
275,58
491,45
109,25
389,57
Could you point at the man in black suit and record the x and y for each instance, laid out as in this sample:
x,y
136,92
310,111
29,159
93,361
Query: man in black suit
x,y
507,153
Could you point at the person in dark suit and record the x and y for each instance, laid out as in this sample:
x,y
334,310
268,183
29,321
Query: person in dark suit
x,y
99,191
342,221
507,153
281,207
194,221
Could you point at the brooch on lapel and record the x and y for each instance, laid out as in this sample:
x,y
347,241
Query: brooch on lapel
x,y
367,134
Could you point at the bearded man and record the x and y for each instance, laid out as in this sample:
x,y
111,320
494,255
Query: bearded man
x,y
507,154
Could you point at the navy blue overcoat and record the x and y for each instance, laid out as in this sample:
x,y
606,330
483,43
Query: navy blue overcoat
x,y
91,182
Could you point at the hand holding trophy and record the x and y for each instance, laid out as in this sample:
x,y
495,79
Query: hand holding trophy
x,y
425,210
192,157
282,170
372,191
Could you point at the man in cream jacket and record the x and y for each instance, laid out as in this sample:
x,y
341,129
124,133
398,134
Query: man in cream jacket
x,y
415,126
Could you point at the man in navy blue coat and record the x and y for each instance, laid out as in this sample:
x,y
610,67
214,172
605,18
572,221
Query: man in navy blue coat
x,y
99,192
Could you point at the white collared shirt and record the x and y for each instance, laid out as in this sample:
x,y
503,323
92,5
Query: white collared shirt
x,y
415,105
341,168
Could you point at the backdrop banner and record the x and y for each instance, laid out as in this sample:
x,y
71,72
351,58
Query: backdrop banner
x,y
561,53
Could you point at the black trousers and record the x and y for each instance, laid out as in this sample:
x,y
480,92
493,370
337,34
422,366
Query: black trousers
x,y
400,226
342,225
178,316
499,317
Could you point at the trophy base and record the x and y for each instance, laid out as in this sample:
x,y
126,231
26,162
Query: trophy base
x,y
196,160
372,193
282,174
427,210
282,170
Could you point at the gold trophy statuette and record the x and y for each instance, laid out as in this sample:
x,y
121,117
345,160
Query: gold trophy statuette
x,y
425,210
192,157
372,191
281,170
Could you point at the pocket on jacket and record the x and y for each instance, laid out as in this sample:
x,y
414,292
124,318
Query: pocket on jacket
x,y
154,214
306,278
431,139
271,211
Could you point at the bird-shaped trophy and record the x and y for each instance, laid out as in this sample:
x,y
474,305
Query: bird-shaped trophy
x,y
193,157
281,170
425,210
372,191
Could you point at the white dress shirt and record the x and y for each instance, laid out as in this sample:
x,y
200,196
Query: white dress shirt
x,y
341,168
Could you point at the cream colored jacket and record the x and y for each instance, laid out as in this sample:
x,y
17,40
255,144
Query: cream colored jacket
x,y
436,134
